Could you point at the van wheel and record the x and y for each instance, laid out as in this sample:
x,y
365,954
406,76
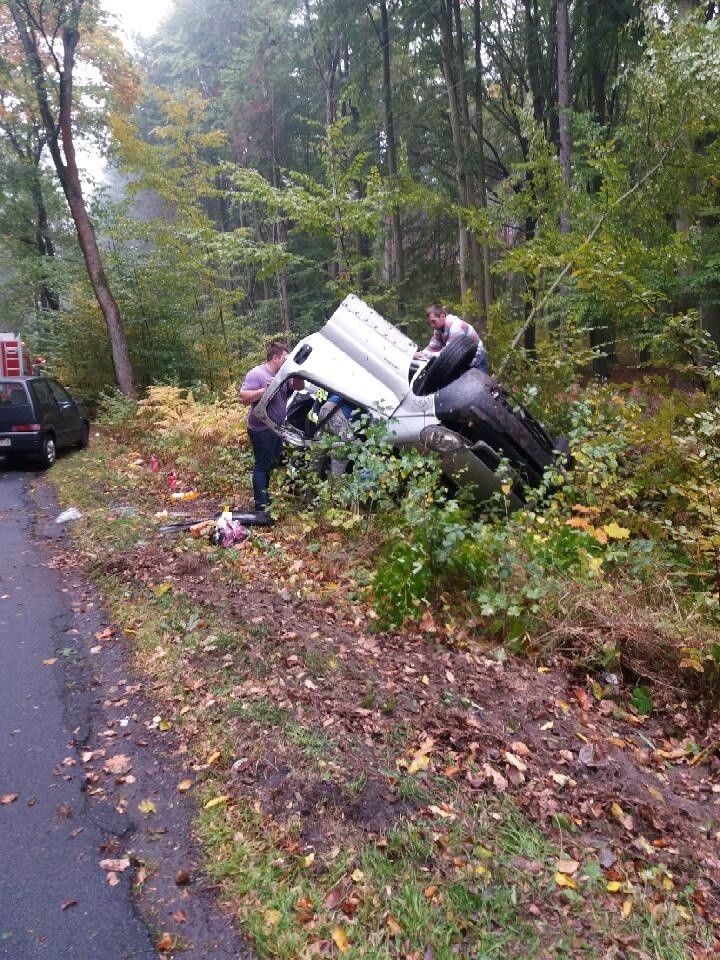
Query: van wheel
x,y
49,453
84,441
447,366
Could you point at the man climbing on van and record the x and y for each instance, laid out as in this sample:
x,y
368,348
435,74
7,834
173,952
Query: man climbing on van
x,y
446,328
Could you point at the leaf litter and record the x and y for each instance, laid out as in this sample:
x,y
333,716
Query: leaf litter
x,y
617,790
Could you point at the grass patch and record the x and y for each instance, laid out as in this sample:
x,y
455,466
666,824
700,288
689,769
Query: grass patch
x,y
426,871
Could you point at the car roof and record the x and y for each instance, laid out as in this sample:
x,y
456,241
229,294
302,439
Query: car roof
x,y
358,354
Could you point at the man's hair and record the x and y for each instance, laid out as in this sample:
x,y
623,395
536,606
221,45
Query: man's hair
x,y
274,349
435,310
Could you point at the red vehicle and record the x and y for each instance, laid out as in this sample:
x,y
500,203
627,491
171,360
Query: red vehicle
x,y
14,356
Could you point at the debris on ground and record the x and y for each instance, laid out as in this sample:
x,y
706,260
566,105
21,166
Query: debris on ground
x,y
72,513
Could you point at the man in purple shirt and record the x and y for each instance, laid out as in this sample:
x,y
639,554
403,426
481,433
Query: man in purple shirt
x,y
266,445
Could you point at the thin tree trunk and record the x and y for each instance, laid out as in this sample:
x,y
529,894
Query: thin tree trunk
x,y
448,65
563,31
69,176
470,194
397,259
487,289
280,232
49,300
327,75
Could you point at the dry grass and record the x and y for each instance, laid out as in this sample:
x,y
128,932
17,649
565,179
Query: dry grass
x,y
637,631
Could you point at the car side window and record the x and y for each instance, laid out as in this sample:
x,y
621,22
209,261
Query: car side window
x,y
43,396
61,395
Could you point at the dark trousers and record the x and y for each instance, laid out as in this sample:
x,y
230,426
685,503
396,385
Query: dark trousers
x,y
267,447
481,362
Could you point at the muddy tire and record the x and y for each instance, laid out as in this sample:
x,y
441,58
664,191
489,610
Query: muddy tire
x,y
447,366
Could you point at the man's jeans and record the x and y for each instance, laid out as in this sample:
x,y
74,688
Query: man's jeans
x,y
267,448
481,362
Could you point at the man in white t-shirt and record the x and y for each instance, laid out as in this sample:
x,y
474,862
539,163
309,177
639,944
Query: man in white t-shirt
x,y
446,328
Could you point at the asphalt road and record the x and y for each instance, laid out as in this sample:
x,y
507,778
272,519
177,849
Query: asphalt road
x,y
71,706
55,902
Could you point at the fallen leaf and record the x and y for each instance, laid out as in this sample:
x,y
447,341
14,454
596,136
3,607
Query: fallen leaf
x,y
607,857
614,886
8,798
179,916
393,926
566,866
626,908
340,940
118,764
332,899
184,786
520,748
514,761
50,661
431,891
562,880
272,918
166,942
655,794
117,866
66,904
420,758
625,819
499,781
357,876
181,878
527,866
216,801
147,807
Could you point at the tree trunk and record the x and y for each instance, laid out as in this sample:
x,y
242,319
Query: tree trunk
x,y
69,176
530,335
564,106
280,232
470,193
487,289
451,82
397,258
328,74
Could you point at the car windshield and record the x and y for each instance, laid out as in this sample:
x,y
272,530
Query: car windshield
x,y
12,394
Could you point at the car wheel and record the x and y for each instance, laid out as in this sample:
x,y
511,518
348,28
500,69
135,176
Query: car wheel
x,y
49,452
447,366
84,441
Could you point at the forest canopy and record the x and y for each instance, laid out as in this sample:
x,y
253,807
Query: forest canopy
x,y
548,169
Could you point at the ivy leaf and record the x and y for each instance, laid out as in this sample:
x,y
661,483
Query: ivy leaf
x,y
641,700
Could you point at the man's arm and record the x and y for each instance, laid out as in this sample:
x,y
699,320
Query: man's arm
x,y
252,388
250,396
435,346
